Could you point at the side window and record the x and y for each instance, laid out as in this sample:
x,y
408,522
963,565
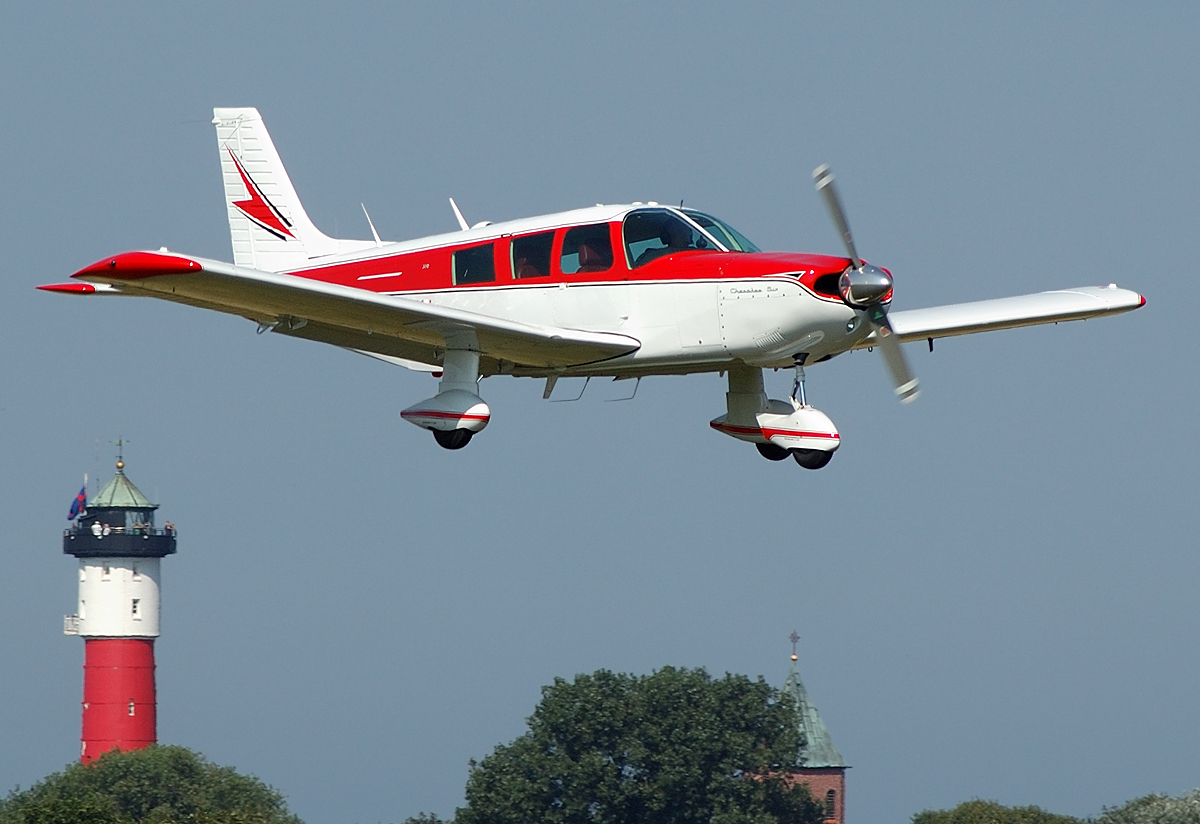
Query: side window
x,y
653,233
474,265
587,249
531,255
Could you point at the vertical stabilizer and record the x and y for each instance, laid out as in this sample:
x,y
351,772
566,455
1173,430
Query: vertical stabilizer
x,y
269,227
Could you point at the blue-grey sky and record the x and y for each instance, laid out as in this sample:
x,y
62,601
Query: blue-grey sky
x,y
997,586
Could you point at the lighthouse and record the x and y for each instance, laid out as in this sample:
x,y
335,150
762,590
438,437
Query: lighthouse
x,y
119,550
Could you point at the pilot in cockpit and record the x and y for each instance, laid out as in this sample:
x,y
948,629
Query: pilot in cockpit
x,y
676,236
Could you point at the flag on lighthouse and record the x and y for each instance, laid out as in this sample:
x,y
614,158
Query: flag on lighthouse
x,y
79,505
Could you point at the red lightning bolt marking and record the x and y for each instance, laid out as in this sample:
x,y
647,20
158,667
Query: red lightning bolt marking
x,y
258,208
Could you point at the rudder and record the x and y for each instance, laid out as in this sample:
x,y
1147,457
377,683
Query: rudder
x,y
268,226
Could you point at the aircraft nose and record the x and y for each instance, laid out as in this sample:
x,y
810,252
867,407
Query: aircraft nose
x,y
865,286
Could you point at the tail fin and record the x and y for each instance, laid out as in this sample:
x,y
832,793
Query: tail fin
x,y
269,227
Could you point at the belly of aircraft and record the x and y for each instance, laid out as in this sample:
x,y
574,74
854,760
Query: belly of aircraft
x,y
679,323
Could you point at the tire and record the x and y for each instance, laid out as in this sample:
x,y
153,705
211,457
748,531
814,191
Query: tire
x,y
771,451
812,458
452,438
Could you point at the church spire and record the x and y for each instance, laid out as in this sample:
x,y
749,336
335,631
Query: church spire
x,y
818,749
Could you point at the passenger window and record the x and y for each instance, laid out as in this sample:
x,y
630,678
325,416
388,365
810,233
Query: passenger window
x,y
531,255
653,233
474,265
587,249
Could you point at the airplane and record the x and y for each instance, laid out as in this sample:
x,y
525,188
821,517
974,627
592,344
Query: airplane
x,y
610,291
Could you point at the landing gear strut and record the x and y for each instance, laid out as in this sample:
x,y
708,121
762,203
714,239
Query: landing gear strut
x,y
456,412
777,428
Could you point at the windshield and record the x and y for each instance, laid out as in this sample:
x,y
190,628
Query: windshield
x,y
729,237
654,233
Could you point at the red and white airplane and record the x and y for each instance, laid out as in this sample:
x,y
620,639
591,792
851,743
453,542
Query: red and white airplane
x,y
621,291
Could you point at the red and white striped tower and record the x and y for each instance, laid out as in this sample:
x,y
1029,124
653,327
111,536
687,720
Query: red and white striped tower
x,y
119,550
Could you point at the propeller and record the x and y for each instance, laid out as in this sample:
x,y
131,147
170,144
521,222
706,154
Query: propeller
x,y
868,287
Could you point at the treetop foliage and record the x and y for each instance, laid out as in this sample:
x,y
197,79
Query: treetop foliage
x,y
989,812
1151,809
155,785
674,746
1156,809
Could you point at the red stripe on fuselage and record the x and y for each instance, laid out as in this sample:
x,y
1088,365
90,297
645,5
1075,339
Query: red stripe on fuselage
x,y
430,269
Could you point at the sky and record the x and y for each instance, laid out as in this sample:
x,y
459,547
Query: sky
x,y
997,587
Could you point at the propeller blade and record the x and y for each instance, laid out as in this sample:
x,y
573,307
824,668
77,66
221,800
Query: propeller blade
x,y
907,385
824,179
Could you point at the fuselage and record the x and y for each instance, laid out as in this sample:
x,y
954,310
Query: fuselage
x,y
695,302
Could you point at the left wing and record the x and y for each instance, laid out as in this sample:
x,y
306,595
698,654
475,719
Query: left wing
x,y
1009,313
399,328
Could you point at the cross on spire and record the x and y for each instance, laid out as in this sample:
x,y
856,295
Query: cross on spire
x,y
794,638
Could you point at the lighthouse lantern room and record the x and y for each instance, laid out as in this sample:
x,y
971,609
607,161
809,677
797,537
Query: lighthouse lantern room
x,y
119,550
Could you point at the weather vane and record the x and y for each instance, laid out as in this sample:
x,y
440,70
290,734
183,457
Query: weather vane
x,y
119,443
794,638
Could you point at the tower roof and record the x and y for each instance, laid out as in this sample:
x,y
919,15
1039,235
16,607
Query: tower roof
x,y
817,749
120,492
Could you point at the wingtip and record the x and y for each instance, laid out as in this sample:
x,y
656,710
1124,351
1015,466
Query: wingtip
x,y
136,265
69,288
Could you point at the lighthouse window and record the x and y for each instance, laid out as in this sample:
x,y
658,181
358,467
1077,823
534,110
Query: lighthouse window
x,y
137,573
82,574
135,608
131,708
105,573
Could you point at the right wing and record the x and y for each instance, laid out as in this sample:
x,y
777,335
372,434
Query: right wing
x,y
402,329
1009,313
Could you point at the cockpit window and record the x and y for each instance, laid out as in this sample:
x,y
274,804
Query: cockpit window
x,y
653,233
730,237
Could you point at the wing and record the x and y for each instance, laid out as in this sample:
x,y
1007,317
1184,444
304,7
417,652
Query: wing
x,y
1009,313
401,329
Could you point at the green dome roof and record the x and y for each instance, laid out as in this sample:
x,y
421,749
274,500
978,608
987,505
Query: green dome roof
x,y
120,492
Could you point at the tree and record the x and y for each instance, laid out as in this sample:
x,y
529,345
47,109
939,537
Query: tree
x,y
156,785
989,812
1156,809
675,746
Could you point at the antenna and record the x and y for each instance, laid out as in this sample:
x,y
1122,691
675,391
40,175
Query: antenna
x,y
375,234
462,221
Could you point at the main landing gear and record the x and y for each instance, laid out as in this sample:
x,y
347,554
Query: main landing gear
x,y
456,412
777,428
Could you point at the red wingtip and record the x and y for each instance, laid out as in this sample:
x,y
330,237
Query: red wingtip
x,y
70,288
1142,300
137,265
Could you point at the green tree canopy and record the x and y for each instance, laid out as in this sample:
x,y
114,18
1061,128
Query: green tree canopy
x,y
676,746
989,812
1156,809
156,785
